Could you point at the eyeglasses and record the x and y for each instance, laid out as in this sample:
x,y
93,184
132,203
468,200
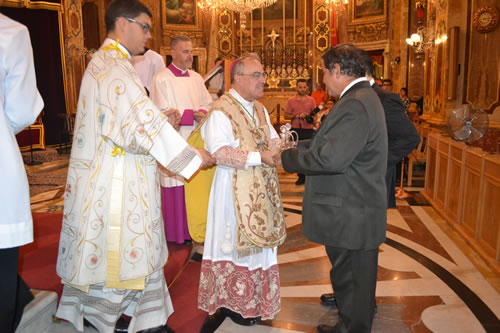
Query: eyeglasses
x,y
256,75
144,26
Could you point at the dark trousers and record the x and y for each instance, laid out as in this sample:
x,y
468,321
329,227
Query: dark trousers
x,y
390,180
14,293
354,278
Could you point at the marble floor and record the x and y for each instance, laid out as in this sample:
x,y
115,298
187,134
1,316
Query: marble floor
x,y
429,279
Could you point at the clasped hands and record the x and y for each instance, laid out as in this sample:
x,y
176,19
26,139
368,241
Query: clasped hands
x,y
174,117
271,158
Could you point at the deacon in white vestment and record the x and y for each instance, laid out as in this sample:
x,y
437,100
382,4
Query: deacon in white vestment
x,y
112,247
147,65
20,104
179,90
245,223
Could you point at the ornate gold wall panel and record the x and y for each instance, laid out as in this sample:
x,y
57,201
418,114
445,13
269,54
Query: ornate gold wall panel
x,y
225,34
322,24
483,81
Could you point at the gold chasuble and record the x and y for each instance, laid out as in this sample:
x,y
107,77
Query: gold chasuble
x,y
256,193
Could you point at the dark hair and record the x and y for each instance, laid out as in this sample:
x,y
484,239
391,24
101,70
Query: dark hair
x,y
388,81
405,90
219,58
178,38
366,62
347,57
301,80
124,8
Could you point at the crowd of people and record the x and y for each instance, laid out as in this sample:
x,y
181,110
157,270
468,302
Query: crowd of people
x,y
124,197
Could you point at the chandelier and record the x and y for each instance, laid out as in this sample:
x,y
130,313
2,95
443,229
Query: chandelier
x,y
423,39
238,6
336,2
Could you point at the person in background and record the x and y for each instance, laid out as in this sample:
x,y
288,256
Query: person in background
x,y
320,95
387,84
320,116
181,93
147,65
403,93
378,82
20,105
112,249
298,109
215,84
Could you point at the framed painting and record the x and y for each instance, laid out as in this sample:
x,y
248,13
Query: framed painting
x,y
367,11
180,15
274,13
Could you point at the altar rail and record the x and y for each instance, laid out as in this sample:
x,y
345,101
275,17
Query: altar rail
x,y
463,184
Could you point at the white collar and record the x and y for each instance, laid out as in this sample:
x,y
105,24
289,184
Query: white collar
x,y
183,71
248,105
359,79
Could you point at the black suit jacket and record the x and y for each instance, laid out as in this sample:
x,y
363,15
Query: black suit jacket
x,y
401,133
345,162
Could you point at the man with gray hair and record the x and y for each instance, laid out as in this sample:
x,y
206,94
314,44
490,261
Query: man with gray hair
x,y
245,222
181,93
344,204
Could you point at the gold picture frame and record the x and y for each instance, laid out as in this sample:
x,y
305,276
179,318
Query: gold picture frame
x,y
367,11
182,15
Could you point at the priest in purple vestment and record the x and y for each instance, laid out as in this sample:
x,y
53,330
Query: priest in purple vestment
x,y
181,93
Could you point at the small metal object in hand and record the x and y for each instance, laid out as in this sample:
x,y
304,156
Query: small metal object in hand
x,y
289,138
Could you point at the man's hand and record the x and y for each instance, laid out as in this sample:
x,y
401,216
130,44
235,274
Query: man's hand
x,y
206,159
198,116
174,117
277,160
267,157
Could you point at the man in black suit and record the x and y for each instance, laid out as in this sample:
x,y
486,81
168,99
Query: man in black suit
x,y
402,135
344,204
402,139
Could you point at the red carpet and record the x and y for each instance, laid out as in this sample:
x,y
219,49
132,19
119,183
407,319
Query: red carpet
x,y
186,317
37,261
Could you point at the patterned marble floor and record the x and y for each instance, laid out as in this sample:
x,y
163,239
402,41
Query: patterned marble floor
x,y
429,280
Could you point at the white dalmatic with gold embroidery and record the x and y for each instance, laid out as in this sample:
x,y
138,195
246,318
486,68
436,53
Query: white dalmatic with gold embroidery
x,y
112,230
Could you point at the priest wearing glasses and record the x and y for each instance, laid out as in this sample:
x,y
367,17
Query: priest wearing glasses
x,y
112,248
239,272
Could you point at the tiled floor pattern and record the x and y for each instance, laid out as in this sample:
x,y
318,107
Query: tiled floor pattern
x,y
428,279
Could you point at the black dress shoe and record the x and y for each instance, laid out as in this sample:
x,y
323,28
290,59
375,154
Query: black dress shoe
x,y
325,328
87,323
238,319
121,325
212,322
158,329
329,300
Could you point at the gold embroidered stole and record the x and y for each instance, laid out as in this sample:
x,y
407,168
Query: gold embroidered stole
x,y
256,194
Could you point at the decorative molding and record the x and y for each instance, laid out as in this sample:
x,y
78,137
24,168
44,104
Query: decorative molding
x,y
367,32
225,33
485,19
322,28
